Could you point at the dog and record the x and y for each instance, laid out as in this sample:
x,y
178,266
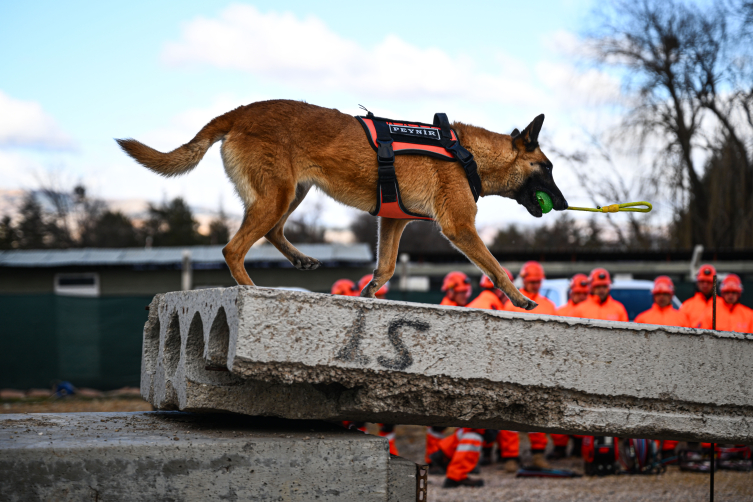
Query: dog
x,y
275,151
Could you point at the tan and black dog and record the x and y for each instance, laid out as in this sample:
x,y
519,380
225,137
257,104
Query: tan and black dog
x,y
275,151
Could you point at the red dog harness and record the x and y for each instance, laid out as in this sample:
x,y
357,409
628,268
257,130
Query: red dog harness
x,y
437,140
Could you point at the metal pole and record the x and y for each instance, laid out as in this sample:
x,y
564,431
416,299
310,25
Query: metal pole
x,y
713,445
186,271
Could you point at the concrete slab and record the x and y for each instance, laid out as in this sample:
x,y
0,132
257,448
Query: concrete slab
x,y
306,355
181,456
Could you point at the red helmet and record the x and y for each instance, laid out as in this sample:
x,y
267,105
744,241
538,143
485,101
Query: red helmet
x,y
579,284
532,271
457,281
344,287
663,284
487,283
366,279
732,284
705,273
599,277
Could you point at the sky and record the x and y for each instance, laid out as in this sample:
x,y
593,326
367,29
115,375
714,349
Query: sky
x,y
75,75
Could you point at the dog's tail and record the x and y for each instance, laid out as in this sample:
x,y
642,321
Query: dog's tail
x,y
186,157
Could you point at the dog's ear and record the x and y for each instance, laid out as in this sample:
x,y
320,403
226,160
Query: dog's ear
x,y
529,138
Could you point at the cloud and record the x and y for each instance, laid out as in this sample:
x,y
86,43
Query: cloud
x,y
25,124
306,53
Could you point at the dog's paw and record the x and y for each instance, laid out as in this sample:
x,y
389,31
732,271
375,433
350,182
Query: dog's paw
x,y
307,263
530,305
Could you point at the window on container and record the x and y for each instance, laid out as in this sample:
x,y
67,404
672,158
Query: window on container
x,y
81,284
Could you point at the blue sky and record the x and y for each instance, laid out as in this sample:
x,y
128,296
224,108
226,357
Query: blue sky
x,y
75,75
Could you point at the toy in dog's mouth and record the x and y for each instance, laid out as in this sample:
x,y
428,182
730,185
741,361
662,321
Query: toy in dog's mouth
x,y
538,199
545,202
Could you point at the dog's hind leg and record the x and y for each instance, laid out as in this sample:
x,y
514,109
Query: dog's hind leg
x,y
277,237
390,232
463,236
261,215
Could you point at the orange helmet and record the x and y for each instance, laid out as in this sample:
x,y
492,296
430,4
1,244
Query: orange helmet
x,y
663,284
705,274
366,279
457,281
487,283
532,271
599,277
732,284
344,287
579,283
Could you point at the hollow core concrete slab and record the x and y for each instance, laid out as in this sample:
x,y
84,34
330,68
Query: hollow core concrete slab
x,y
306,355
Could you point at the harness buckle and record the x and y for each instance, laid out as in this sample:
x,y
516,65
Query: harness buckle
x,y
385,154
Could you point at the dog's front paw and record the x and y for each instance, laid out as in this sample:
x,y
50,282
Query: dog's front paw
x,y
307,263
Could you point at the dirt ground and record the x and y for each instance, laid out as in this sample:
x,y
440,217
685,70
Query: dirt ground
x,y
671,486
73,404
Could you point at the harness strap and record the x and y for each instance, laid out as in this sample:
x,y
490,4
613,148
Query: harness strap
x,y
386,158
461,154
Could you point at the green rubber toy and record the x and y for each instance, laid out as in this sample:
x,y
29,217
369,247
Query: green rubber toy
x,y
544,201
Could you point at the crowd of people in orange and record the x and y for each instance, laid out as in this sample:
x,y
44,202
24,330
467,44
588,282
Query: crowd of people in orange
x,y
458,454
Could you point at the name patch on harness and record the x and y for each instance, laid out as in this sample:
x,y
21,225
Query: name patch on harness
x,y
409,130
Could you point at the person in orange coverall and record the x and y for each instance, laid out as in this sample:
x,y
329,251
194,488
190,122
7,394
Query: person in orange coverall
x,y
600,304
664,314
731,315
459,454
695,306
578,292
344,287
490,298
457,289
532,274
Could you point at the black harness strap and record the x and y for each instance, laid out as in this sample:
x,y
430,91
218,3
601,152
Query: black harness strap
x,y
464,156
386,158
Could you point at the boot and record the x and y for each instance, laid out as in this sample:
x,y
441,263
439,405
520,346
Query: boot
x,y
451,483
558,453
486,457
540,462
439,462
576,451
511,465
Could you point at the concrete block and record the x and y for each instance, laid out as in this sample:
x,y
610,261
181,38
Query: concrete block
x,y
308,355
181,456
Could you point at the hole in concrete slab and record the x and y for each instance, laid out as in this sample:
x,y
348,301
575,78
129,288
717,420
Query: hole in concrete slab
x,y
195,345
219,340
151,344
171,350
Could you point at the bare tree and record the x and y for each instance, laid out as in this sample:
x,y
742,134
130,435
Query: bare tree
x,y
686,71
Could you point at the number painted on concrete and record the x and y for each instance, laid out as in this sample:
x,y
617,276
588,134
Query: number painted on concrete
x,y
352,352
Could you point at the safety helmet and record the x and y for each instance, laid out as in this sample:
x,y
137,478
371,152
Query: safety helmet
x,y
599,277
663,284
457,281
532,271
579,283
366,279
732,284
705,273
344,287
487,283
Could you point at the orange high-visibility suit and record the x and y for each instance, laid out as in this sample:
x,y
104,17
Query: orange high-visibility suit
x,y
663,316
593,308
509,444
694,308
464,448
729,317
567,309
388,431
487,300
446,301
545,304
433,436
